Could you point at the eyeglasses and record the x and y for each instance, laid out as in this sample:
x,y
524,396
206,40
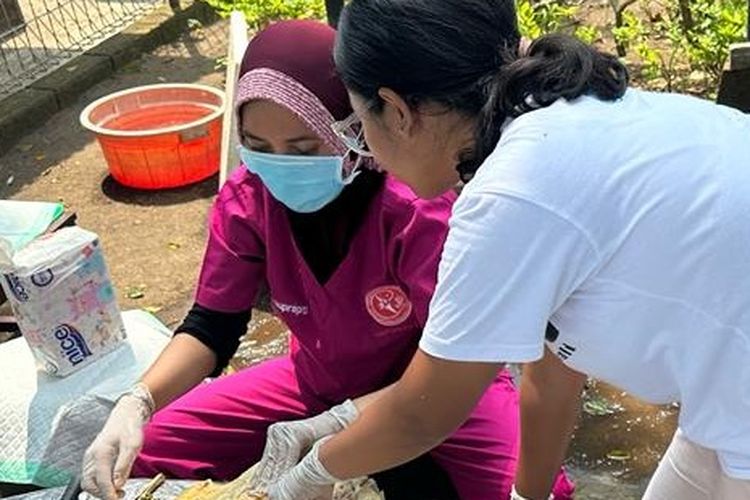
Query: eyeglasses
x,y
349,131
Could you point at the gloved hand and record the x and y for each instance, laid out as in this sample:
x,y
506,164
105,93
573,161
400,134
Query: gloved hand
x,y
107,462
308,480
286,442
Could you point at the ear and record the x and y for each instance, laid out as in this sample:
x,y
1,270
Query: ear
x,y
398,116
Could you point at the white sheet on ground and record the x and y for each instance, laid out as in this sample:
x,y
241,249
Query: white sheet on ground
x,y
46,423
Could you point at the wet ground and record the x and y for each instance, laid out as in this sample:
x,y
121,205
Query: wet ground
x,y
618,442
153,244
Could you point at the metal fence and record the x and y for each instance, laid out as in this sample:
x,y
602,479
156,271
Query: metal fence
x,y
38,36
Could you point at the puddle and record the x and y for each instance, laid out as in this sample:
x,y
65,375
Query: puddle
x,y
618,442
267,337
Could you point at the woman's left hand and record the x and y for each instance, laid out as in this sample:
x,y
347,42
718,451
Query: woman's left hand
x,y
308,480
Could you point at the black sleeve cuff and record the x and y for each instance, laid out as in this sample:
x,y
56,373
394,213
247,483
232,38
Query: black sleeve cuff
x,y
219,331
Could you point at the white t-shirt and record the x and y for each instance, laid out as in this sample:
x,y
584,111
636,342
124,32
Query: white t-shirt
x,y
627,226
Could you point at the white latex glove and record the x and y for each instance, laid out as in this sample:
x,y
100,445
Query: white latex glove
x,y
286,442
307,480
107,462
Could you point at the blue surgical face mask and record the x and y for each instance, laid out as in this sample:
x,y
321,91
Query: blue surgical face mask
x,y
303,183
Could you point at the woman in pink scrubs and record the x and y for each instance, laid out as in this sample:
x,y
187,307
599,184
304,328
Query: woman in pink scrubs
x,y
349,256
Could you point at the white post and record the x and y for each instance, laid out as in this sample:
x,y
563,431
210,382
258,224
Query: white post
x,y
238,39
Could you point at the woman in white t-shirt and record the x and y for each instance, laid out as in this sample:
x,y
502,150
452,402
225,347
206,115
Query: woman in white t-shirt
x,y
619,217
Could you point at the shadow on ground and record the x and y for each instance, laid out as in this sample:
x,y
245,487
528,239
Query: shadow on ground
x,y
123,194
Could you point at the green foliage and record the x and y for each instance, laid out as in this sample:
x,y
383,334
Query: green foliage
x,y
716,25
631,32
677,45
258,13
638,37
685,48
670,44
588,34
536,18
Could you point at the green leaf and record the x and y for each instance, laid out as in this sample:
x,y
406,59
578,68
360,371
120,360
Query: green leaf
x,y
135,292
619,455
601,407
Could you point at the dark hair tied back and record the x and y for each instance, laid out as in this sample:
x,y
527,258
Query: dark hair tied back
x,y
556,66
463,55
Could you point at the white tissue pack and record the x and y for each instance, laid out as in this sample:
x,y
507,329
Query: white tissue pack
x,y
62,297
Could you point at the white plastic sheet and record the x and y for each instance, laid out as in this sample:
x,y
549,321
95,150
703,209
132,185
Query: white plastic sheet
x,y
46,423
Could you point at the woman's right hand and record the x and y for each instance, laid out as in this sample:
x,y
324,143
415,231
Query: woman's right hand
x,y
287,442
107,462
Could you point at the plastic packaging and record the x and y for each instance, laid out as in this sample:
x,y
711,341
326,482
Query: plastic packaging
x,y
62,296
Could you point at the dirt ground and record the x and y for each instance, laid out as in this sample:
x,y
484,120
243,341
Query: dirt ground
x,y
153,243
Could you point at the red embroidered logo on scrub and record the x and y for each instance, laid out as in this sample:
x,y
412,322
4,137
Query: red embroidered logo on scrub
x,y
388,305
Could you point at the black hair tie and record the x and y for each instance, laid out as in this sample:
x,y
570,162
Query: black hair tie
x,y
529,103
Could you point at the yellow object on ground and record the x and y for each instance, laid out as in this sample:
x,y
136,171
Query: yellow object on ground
x,y
239,489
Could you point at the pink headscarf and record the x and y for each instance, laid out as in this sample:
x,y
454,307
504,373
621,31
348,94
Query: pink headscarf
x,y
291,64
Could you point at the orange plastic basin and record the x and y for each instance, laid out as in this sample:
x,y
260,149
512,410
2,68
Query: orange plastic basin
x,y
159,136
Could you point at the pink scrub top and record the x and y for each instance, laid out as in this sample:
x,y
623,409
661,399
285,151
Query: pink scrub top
x,y
356,332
